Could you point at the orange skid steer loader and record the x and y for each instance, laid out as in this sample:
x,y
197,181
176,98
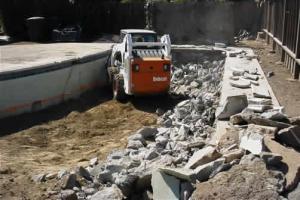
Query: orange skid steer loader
x,y
140,64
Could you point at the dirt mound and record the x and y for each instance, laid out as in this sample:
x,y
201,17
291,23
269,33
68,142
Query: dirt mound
x,y
243,181
65,143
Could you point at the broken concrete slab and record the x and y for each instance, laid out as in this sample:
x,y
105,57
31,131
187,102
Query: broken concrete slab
x,y
295,120
186,190
165,186
180,173
252,139
295,194
204,171
260,92
252,142
271,159
290,157
232,106
253,118
275,115
229,138
233,155
259,101
112,193
203,156
243,84
290,136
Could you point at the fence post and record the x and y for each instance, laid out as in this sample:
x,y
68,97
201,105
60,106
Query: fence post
x,y
283,39
297,66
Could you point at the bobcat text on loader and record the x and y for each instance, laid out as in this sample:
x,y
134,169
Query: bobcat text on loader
x,y
140,64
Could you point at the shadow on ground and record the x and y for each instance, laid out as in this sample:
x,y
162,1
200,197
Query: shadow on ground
x,y
85,102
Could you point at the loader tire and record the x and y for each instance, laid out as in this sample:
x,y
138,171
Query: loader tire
x,y
118,88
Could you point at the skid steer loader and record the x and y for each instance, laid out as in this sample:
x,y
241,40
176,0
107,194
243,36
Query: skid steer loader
x,y
140,64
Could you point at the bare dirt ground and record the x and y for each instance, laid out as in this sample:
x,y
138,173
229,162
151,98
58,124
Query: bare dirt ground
x,y
286,90
66,136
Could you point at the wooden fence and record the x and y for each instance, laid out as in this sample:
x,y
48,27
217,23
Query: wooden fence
x,y
282,26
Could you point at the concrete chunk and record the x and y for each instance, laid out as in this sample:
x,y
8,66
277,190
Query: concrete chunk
x,y
290,157
260,92
232,106
290,136
180,173
111,193
165,186
203,156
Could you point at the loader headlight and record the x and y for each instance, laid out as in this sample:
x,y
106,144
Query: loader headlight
x,y
166,67
136,68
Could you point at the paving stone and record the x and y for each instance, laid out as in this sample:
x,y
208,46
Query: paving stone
x,y
165,186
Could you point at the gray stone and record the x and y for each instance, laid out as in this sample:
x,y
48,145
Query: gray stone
x,y
111,193
275,115
196,144
186,190
125,182
51,176
203,156
243,84
90,191
180,173
290,136
233,155
134,144
84,173
151,154
147,195
95,170
161,140
181,113
251,77
164,186
204,171
260,92
105,176
68,195
147,132
68,181
39,178
271,159
137,137
252,142
295,121
232,106
295,194
94,161
62,173
259,108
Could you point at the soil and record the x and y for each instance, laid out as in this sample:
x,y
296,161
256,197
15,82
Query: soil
x,y
66,136
286,89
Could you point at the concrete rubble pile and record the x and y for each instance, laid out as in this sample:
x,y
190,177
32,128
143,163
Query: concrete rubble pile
x,y
253,159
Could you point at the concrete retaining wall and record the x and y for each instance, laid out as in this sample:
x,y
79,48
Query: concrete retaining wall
x,y
31,93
